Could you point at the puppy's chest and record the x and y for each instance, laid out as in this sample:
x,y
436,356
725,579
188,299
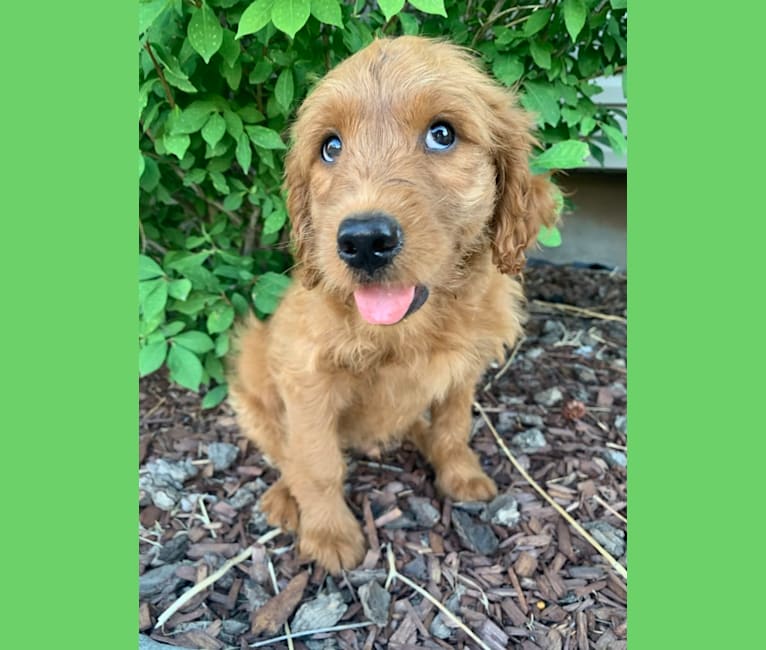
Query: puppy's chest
x,y
387,400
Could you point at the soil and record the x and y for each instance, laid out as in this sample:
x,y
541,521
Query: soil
x,y
515,573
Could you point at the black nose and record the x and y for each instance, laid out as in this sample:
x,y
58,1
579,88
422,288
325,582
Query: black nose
x,y
369,241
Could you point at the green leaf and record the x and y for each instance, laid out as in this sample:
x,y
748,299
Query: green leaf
x,y
205,32
261,72
244,153
151,176
616,138
141,164
264,137
185,367
155,301
290,15
176,144
562,155
550,237
173,328
219,182
179,289
215,396
410,24
151,357
222,344
232,74
233,124
619,4
148,12
220,318
268,291
214,368
284,89
230,49
508,69
587,125
214,129
188,262
390,7
193,117
430,6
541,53
148,268
274,222
543,100
537,21
327,11
255,17
195,341
574,17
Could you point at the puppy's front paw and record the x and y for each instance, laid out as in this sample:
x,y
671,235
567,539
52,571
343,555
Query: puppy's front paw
x,y
335,545
465,486
279,506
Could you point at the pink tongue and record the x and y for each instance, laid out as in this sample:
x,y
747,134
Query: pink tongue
x,y
383,305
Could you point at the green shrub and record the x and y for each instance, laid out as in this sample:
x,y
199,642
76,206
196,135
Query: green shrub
x,y
219,80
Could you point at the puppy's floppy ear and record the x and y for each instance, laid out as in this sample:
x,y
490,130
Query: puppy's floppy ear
x,y
524,202
299,211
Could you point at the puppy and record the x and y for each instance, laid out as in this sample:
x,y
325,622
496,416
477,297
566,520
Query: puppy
x,y
411,200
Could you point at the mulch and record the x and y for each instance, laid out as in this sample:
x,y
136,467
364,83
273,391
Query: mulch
x,y
514,573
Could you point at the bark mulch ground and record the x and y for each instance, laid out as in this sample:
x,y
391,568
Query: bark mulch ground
x,y
513,572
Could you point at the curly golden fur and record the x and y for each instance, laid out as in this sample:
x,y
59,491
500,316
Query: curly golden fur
x,y
318,379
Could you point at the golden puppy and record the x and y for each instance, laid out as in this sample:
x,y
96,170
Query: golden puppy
x,y
410,197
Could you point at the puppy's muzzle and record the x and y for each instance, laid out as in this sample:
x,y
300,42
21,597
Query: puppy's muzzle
x,y
369,241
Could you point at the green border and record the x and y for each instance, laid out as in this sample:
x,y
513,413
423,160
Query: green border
x,y
696,280
69,315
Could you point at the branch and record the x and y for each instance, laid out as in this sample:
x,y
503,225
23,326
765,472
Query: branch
x,y
161,75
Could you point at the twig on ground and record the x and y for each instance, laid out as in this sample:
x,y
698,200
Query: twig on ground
x,y
605,505
507,364
393,574
288,637
621,570
579,310
200,586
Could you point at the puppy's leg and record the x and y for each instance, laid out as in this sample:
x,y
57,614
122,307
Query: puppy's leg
x,y
313,469
260,414
445,446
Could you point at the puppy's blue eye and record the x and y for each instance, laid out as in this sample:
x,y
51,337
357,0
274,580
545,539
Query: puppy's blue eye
x,y
440,136
331,148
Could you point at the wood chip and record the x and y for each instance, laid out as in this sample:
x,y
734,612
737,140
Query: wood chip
x,y
492,635
582,631
513,612
276,611
525,565
144,617
197,551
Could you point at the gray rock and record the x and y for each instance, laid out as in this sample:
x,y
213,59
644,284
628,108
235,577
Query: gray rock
x,y
506,421
358,577
475,536
615,458
584,351
256,595
611,538
529,441
162,481
416,568
548,397
174,549
323,611
162,580
503,510
258,520
534,353
438,628
621,423
222,454
531,420
425,513
241,499
330,643
147,643
618,390
585,374
233,627
375,602
472,507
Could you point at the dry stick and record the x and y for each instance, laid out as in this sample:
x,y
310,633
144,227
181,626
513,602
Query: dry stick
x,y
603,503
238,559
393,574
579,310
508,363
621,570
185,598
273,576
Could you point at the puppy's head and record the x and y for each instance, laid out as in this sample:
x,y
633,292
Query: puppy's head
x,y
406,161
